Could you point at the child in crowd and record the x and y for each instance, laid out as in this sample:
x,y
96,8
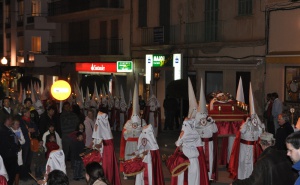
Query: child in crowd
x,y
39,160
51,144
77,147
18,132
80,128
51,130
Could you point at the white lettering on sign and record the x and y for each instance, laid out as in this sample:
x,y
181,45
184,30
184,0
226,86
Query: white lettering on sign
x,y
97,68
61,90
158,58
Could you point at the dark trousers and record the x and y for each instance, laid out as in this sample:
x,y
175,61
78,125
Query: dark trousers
x,y
11,165
77,169
39,170
27,157
270,126
170,115
66,143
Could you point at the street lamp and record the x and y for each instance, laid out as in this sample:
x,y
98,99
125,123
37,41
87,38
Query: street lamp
x,y
4,61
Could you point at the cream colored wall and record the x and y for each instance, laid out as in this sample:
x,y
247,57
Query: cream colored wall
x,y
275,79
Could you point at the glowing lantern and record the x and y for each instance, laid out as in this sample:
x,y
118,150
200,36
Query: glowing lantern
x,y
61,90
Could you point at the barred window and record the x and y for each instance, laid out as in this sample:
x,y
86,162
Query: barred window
x,y
245,7
211,20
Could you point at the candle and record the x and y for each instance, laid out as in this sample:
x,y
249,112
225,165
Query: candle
x,y
232,108
219,108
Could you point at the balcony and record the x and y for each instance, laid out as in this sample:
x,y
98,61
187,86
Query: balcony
x,y
91,47
38,21
190,33
67,6
20,20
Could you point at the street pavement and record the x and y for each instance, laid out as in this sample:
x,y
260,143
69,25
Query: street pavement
x,y
166,141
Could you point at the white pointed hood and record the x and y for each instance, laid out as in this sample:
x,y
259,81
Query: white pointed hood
x,y
135,106
123,105
130,98
87,101
202,109
192,100
254,117
20,97
152,101
240,92
32,94
251,101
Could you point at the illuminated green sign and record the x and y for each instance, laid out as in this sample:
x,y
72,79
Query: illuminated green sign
x,y
158,60
124,66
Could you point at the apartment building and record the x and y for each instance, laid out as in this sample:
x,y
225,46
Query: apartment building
x,y
219,41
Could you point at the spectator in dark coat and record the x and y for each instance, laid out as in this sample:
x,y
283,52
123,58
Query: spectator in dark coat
x,y
68,121
48,118
6,110
29,130
9,148
285,129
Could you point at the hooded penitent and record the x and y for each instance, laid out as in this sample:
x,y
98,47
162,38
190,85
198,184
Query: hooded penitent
x,y
240,92
56,161
192,100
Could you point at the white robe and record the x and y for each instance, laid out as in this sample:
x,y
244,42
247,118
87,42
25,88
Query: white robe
x,y
248,133
57,137
102,129
56,161
189,142
132,130
21,139
207,132
154,105
3,171
146,142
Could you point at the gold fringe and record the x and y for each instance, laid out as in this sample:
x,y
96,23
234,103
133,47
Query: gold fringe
x,y
133,174
179,166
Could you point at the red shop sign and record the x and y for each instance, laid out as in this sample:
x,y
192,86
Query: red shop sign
x,y
110,67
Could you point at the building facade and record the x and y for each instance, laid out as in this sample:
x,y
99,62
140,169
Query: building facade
x,y
219,41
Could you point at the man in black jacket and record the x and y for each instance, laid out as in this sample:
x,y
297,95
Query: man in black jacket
x,y
10,147
6,110
284,130
272,167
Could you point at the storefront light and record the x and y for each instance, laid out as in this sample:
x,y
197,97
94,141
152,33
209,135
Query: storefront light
x,y
4,61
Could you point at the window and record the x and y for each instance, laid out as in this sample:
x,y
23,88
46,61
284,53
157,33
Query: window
x,y
142,13
7,15
245,7
21,45
213,81
36,44
20,10
36,8
211,20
